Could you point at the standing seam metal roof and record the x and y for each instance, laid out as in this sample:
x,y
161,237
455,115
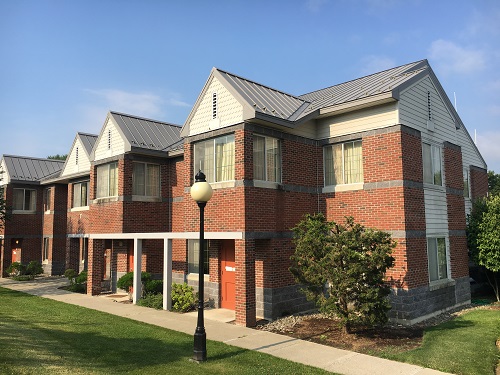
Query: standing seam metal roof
x,y
88,141
146,133
22,168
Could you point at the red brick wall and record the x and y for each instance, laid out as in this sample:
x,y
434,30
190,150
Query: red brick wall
x,y
478,182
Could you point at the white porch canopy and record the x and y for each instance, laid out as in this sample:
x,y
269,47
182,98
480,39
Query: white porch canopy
x,y
167,238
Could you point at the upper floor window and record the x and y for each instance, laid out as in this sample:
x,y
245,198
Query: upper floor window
x,y
215,158
194,256
343,163
146,179
24,200
466,183
438,263
47,199
266,159
81,194
107,180
432,164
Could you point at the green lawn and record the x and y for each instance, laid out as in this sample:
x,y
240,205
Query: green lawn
x,y
42,336
464,346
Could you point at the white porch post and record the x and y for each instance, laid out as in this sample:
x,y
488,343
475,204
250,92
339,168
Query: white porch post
x,y
167,274
136,295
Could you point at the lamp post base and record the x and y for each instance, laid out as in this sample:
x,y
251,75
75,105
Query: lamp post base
x,y
200,347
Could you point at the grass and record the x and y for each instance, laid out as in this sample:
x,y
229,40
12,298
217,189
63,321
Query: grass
x,y
463,346
39,335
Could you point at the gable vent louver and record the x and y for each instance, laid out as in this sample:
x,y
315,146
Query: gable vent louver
x,y
214,105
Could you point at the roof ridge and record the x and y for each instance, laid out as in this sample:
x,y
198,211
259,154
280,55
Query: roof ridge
x,y
83,133
260,84
144,118
33,158
416,63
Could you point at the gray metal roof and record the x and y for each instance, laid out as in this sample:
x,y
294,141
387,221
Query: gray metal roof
x,y
88,141
147,134
28,169
374,84
265,99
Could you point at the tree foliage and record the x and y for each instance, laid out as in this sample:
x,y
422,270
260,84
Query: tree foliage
x,y
493,183
483,238
342,267
3,207
57,157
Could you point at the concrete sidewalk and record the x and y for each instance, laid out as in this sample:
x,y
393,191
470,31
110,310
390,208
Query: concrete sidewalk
x,y
325,357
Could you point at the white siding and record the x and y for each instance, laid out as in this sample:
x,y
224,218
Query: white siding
x,y
83,160
362,120
436,211
229,110
117,143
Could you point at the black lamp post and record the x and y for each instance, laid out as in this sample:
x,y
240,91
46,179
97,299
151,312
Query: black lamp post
x,y
201,192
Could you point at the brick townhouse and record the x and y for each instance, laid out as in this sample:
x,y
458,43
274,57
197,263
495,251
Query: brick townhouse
x,y
388,149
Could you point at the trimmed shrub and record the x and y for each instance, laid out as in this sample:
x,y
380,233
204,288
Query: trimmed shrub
x,y
154,301
153,287
70,274
16,269
34,268
183,297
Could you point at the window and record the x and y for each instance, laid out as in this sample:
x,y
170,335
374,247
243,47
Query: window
x,y
85,249
266,159
47,199
107,180
146,179
81,194
343,163
438,265
45,254
466,183
24,199
194,254
215,158
432,164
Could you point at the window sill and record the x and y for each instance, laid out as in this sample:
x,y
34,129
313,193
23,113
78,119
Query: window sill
x,y
266,184
345,187
429,186
144,198
23,212
440,284
48,212
82,208
105,200
223,184
194,277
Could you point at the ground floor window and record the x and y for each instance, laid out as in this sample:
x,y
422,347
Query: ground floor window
x,y
45,255
193,257
438,263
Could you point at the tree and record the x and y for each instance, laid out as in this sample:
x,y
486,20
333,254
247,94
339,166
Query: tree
x,y
483,238
57,157
342,267
493,183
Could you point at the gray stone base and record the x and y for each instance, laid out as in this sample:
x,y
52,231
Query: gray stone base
x,y
54,268
273,303
415,305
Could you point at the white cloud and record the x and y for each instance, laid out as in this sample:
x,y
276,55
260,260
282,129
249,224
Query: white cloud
x,y
373,64
487,143
453,58
315,5
139,104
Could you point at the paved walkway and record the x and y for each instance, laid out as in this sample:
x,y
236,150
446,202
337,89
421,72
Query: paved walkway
x,y
325,357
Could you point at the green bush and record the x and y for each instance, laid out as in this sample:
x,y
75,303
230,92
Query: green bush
x,y
183,297
154,301
23,278
81,278
70,274
34,268
153,287
16,269
127,281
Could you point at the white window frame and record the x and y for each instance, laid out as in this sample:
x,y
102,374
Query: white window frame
x,y
106,191
32,202
210,163
145,185
77,186
329,181
433,253
266,169
193,257
436,159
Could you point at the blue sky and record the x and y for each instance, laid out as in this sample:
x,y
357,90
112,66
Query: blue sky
x,y
65,64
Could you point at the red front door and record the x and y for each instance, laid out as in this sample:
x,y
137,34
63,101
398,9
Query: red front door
x,y
130,257
227,275
16,251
